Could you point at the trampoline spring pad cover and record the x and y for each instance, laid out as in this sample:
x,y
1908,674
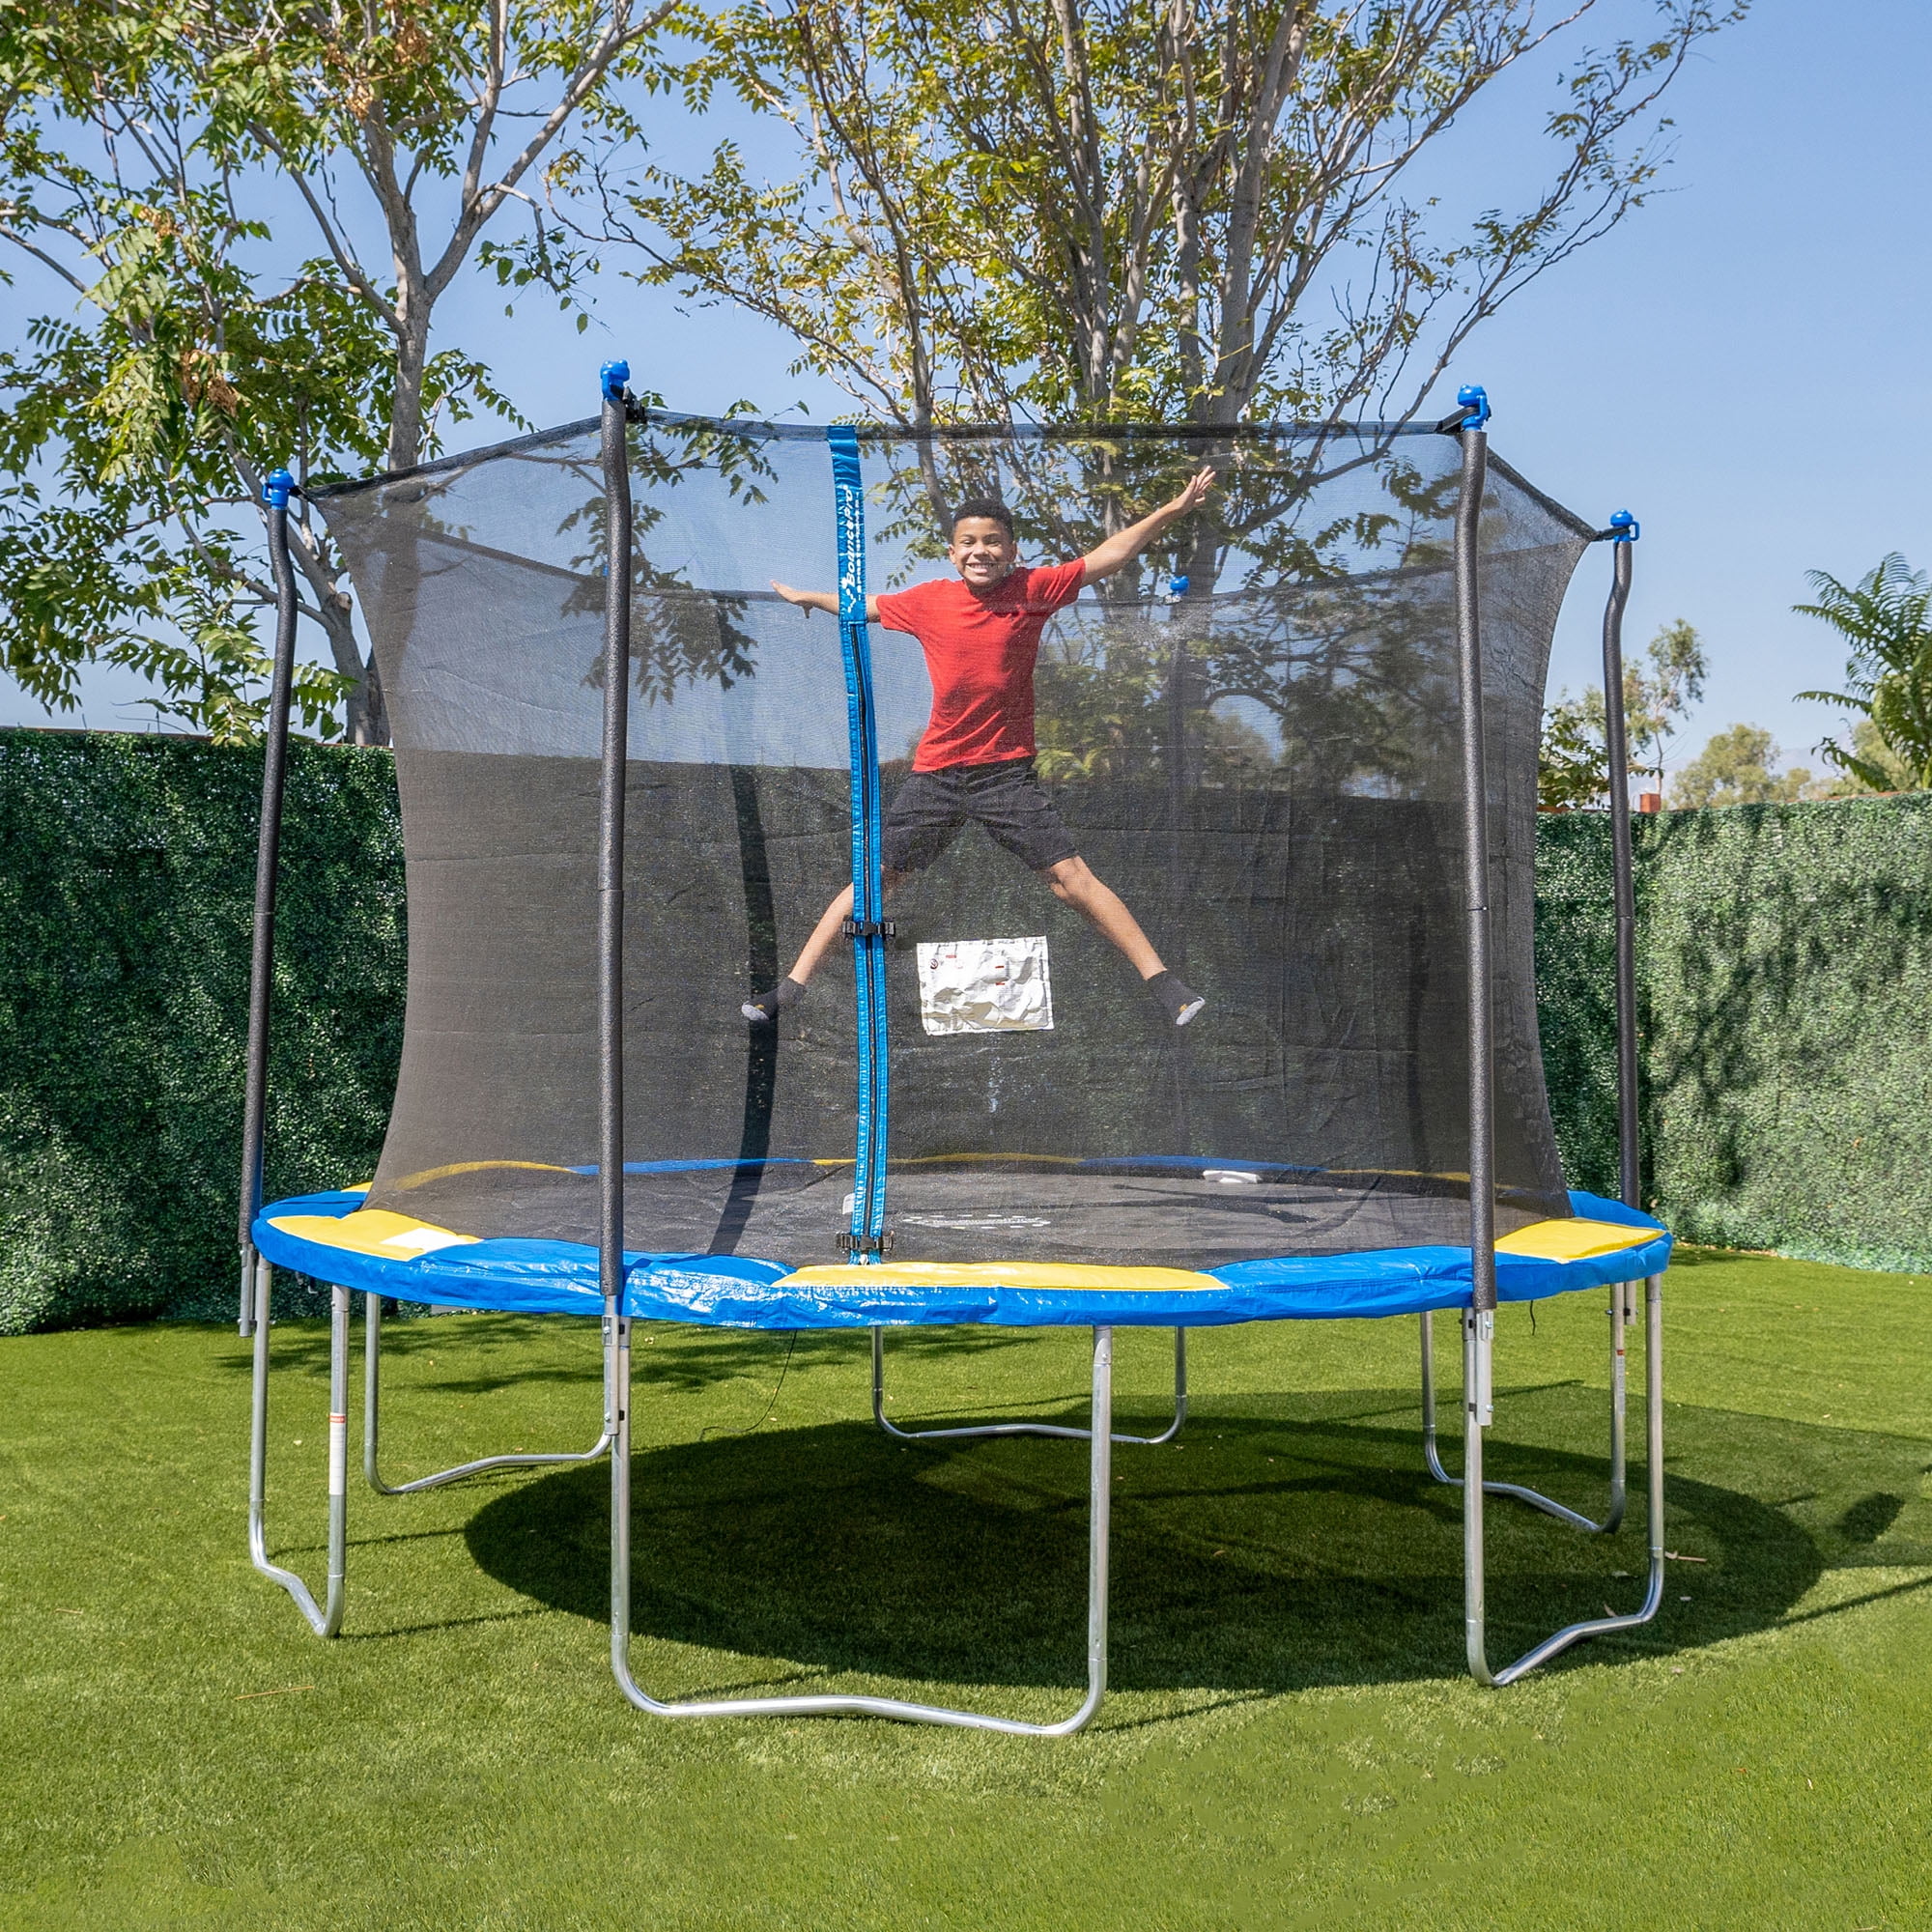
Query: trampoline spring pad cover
x,y
334,1237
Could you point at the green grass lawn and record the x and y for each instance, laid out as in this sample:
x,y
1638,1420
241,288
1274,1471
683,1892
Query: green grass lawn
x,y
1290,1740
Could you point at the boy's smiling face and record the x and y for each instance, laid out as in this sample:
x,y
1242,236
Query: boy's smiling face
x,y
982,552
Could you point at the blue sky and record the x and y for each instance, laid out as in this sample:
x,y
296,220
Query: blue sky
x,y
1743,364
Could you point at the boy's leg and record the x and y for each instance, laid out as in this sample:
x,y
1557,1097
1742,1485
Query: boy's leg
x,y
1074,883
921,822
823,934
831,925
1020,815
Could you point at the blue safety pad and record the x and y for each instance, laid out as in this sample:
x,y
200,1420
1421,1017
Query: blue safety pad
x,y
517,1276
740,1292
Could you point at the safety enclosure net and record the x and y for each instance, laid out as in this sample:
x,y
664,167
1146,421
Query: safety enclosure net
x,y
1253,737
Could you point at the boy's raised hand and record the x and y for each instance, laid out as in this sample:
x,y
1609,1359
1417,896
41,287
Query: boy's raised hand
x,y
1197,487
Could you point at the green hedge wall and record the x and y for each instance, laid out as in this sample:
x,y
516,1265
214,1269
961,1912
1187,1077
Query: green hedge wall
x,y
126,887
1788,976
1784,972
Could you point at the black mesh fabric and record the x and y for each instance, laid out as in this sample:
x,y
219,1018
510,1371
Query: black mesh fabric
x,y
1266,767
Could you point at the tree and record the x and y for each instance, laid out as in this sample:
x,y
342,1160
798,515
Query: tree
x,y
136,149
1090,211
1886,618
1738,766
1574,764
1573,761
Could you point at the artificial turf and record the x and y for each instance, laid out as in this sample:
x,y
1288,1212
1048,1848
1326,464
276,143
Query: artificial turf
x,y
1288,1741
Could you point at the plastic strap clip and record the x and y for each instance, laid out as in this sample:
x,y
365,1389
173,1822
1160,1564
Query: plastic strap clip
x,y
869,929
865,1244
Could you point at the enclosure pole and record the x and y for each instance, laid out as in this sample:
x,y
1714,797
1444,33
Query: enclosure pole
x,y
1623,536
276,489
1479,1320
1476,854
612,378
1476,1611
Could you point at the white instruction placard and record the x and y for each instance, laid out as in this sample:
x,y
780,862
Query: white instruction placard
x,y
984,985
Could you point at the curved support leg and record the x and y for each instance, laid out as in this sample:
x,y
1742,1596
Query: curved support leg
x,y
328,1620
1473,1345
1167,1434
1100,1480
1613,1515
372,1380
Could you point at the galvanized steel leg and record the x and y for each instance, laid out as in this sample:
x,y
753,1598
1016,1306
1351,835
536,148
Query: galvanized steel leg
x,y
1167,1434
1100,1483
372,1343
1613,1515
326,1621
1475,1346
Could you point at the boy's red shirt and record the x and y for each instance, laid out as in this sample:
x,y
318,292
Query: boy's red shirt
x,y
979,652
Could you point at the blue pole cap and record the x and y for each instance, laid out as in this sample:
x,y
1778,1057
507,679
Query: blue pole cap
x,y
277,487
611,378
1625,527
1177,587
1472,396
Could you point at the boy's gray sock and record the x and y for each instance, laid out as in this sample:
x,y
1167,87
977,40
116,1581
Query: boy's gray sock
x,y
1174,992
767,1006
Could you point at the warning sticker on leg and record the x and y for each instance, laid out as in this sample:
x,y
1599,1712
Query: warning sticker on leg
x,y
984,985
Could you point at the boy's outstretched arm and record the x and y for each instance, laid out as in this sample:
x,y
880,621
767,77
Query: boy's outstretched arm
x,y
822,600
1121,550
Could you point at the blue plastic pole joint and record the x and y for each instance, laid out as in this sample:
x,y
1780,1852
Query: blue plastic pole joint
x,y
1474,398
277,487
1625,527
611,379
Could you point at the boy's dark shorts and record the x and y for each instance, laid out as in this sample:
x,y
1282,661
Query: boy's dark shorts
x,y
932,808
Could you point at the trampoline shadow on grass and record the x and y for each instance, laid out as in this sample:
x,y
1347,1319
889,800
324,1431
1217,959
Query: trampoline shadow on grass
x,y
1273,1550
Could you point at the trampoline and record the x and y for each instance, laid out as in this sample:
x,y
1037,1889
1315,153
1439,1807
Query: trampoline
x,y
1296,736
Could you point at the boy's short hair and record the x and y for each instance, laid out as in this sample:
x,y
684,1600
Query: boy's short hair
x,y
990,507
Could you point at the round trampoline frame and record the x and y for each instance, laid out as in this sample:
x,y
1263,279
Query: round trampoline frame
x,y
1477,1320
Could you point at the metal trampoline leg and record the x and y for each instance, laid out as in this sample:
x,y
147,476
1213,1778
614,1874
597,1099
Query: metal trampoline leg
x,y
326,1621
1167,1434
1100,1441
372,1378
1475,1347
1613,1515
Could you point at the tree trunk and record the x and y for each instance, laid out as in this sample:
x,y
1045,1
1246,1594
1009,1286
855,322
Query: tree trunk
x,y
365,716
369,710
406,419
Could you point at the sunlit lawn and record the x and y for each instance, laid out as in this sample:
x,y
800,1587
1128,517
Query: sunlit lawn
x,y
1290,1740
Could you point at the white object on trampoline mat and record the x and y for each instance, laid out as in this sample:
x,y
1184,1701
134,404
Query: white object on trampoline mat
x,y
984,985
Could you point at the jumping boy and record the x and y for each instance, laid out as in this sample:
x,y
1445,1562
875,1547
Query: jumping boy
x,y
980,634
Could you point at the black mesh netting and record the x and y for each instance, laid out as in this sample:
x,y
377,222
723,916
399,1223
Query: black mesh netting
x,y
1265,766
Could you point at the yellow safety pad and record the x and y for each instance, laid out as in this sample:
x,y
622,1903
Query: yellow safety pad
x,y
1572,1240
1001,1274
372,1231
430,1173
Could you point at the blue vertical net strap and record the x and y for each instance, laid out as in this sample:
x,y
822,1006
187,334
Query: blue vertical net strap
x,y
868,964
1264,769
